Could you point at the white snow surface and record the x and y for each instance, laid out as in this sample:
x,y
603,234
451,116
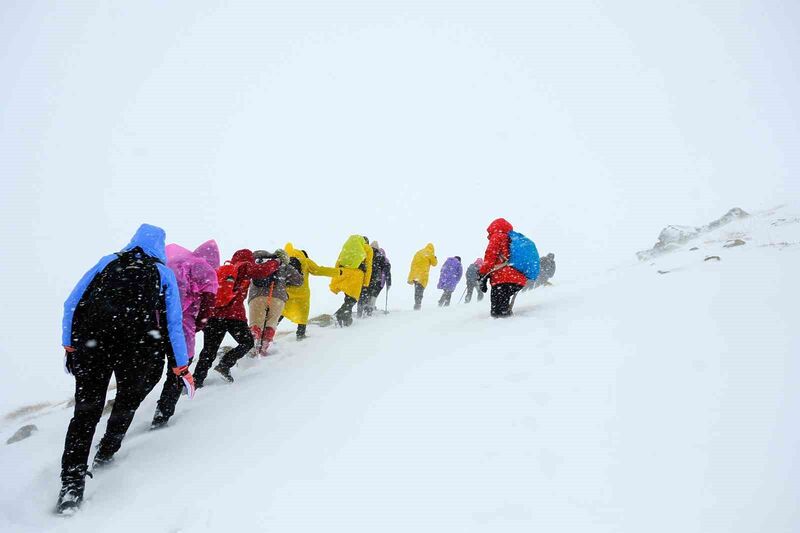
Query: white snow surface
x,y
628,401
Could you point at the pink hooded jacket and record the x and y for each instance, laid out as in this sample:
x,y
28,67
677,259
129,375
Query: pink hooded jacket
x,y
196,274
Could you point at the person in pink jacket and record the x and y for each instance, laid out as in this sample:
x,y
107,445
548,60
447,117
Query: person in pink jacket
x,y
197,283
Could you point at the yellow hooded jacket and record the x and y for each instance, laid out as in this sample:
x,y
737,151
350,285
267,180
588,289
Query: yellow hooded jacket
x,y
352,280
421,265
299,304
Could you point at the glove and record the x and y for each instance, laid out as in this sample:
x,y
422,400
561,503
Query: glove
x,y
69,359
484,284
188,380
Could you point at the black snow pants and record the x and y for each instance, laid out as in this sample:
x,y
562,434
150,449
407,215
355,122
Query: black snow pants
x,y
363,302
136,368
213,335
444,301
170,394
344,315
419,290
501,297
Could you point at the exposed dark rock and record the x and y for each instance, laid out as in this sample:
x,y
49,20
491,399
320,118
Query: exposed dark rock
x,y
22,433
674,237
28,410
713,258
784,221
734,243
322,320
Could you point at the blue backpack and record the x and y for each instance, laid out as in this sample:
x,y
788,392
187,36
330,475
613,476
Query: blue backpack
x,y
524,255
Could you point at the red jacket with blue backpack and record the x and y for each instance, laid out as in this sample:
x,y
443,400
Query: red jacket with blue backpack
x,y
497,253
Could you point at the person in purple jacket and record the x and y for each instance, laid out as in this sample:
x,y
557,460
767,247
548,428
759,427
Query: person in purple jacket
x,y
449,277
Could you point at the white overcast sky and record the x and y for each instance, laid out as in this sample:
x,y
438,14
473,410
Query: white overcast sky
x,y
589,125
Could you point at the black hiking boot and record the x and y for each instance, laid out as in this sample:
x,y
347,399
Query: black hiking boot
x,y
73,482
225,372
159,419
102,460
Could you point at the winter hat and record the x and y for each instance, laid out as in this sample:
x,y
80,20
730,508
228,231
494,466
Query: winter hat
x,y
375,245
281,254
551,255
459,258
262,256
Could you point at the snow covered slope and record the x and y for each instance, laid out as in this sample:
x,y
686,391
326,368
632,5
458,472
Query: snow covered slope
x,y
631,401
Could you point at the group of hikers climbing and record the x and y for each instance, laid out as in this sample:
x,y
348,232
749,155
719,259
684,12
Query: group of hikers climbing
x,y
145,304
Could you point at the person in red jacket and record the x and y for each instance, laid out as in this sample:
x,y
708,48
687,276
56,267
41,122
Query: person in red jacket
x,y
506,280
228,314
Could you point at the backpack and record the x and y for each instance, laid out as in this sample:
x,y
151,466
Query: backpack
x,y
127,292
264,282
353,253
523,255
228,279
269,280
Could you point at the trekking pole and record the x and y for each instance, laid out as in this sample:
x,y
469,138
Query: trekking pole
x,y
386,305
266,314
513,300
462,295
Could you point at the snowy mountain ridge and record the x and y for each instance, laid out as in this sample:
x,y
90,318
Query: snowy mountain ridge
x,y
659,396
672,237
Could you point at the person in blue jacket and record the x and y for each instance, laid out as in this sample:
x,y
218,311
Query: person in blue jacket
x,y
124,317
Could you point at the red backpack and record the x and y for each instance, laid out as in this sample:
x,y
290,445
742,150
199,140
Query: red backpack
x,y
228,278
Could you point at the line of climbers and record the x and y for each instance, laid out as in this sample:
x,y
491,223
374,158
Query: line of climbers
x,y
143,305
511,262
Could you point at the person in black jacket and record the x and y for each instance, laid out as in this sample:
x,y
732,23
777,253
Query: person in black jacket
x,y
381,277
124,317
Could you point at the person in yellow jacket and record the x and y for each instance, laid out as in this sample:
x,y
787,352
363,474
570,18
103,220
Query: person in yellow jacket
x,y
354,267
299,304
420,271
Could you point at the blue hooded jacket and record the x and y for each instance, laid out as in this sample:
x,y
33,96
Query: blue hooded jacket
x,y
151,239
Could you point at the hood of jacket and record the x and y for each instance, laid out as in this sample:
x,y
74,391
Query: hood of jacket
x,y
499,225
452,264
177,253
209,252
242,256
264,255
150,239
